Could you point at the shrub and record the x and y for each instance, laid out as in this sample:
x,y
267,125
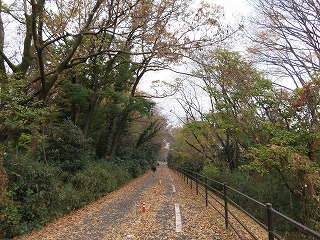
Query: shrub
x,y
9,218
268,188
68,147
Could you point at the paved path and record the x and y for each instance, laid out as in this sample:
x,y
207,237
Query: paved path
x,y
119,215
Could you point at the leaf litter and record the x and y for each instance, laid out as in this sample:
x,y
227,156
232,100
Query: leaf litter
x,y
119,215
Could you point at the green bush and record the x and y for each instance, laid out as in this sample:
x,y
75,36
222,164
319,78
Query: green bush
x,y
41,192
135,167
268,188
191,163
99,178
9,218
68,147
34,186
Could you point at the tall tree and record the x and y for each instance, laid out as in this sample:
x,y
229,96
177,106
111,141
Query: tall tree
x,y
239,97
58,36
286,36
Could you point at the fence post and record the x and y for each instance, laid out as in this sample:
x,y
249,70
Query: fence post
x,y
226,217
197,188
206,187
270,221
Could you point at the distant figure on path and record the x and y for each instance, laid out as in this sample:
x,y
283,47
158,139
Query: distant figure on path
x,y
154,169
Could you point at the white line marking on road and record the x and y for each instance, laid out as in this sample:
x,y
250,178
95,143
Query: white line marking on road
x,y
178,218
170,178
173,188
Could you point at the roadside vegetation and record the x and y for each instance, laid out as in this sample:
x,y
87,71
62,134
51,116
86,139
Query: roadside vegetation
x,y
77,122
243,128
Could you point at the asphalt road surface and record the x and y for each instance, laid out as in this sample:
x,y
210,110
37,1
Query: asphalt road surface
x,y
153,206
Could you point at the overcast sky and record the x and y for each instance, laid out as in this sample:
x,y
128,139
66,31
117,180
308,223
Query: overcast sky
x,y
169,106
233,6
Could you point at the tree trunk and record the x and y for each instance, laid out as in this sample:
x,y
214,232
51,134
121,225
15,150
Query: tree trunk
x,y
115,141
2,67
92,107
3,181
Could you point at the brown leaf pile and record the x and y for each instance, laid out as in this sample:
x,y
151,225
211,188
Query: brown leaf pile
x,y
119,215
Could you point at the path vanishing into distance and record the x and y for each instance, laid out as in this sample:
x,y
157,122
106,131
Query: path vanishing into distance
x,y
153,206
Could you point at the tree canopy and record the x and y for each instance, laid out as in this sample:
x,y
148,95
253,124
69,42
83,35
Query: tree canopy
x,y
74,112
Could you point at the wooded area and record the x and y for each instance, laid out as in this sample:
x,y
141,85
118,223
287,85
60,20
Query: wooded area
x,y
76,122
256,135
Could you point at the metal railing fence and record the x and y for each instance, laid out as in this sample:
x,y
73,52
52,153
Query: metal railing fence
x,y
219,198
